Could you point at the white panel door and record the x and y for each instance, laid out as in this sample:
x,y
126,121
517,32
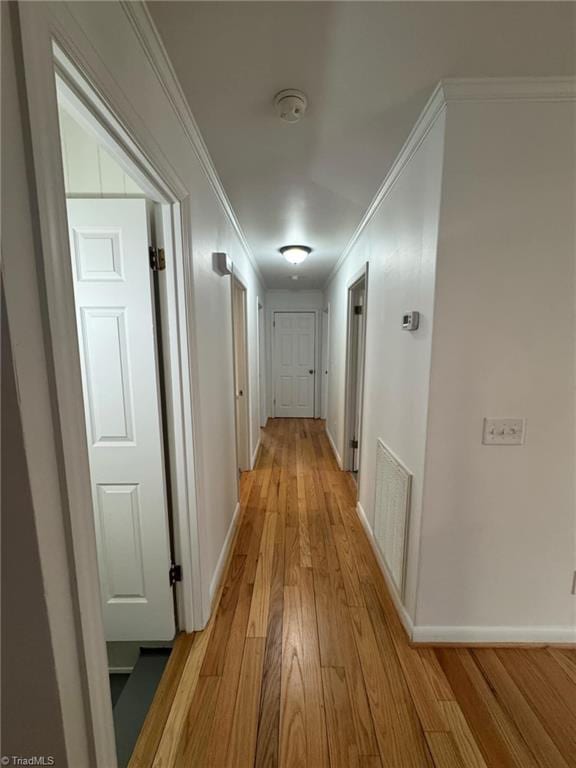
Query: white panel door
x,y
294,362
113,293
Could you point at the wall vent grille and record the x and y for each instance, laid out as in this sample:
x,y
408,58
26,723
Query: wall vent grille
x,y
392,512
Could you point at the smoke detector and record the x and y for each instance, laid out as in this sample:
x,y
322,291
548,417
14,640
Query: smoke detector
x,y
290,105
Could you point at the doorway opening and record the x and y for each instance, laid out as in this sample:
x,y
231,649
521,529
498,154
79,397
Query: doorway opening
x,y
294,364
325,358
262,365
114,231
355,356
133,523
241,395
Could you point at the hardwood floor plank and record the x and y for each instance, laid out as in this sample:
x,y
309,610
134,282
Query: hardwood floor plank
x,y
519,710
220,737
268,739
400,738
258,619
341,734
151,733
171,734
195,739
293,704
444,751
550,693
462,735
347,566
242,746
566,659
497,736
214,658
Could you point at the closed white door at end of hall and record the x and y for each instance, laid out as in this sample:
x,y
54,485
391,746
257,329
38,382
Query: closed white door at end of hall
x,y
294,363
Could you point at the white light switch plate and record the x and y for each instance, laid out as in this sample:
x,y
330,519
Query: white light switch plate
x,y
503,432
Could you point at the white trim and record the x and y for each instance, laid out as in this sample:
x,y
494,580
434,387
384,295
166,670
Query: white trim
x,y
223,557
455,90
333,446
400,608
180,422
434,107
242,463
145,29
255,454
347,452
120,670
509,89
551,635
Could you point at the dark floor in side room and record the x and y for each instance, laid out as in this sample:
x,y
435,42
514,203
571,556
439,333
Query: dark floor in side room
x,y
132,697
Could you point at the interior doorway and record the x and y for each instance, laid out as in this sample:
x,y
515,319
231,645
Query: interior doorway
x,y
121,237
325,358
355,354
241,395
262,365
294,364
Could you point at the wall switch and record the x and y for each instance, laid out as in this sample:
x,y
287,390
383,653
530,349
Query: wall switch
x,y
503,432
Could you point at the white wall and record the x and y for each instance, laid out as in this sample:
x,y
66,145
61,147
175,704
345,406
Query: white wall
x,y
280,300
477,233
399,244
498,527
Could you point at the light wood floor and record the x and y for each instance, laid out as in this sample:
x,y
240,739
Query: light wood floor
x,y
305,663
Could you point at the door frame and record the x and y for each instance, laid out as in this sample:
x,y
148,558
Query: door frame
x,y
48,53
325,370
261,325
273,356
243,456
350,388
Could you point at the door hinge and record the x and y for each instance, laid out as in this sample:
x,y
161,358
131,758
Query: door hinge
x,y
175,574
354,443
273,323
358,309
157,259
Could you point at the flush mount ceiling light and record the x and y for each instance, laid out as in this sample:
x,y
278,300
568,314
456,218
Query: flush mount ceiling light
x,y
295,254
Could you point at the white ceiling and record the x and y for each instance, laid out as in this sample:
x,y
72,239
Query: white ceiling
x,y
367,69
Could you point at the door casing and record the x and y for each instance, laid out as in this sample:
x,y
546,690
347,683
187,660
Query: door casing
x,y
355,363
239,302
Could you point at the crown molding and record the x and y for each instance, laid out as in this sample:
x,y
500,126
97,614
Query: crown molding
x,y
452,90
146,31
435,105
510,89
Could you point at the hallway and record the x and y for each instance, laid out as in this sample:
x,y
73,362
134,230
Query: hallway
x,y
305,663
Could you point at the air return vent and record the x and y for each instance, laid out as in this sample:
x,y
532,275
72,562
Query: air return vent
x,y
391,511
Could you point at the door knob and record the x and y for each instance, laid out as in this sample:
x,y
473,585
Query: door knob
x,y
311,370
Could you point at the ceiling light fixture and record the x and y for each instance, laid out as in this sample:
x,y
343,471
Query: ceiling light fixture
x,y
295,254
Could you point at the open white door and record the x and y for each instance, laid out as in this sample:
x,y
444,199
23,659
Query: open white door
x,y
294,361
115,316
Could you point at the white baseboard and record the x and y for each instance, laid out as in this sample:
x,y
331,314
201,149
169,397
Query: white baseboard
x,y
495,635
402,612
467,635
221,564
255,454
333,445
